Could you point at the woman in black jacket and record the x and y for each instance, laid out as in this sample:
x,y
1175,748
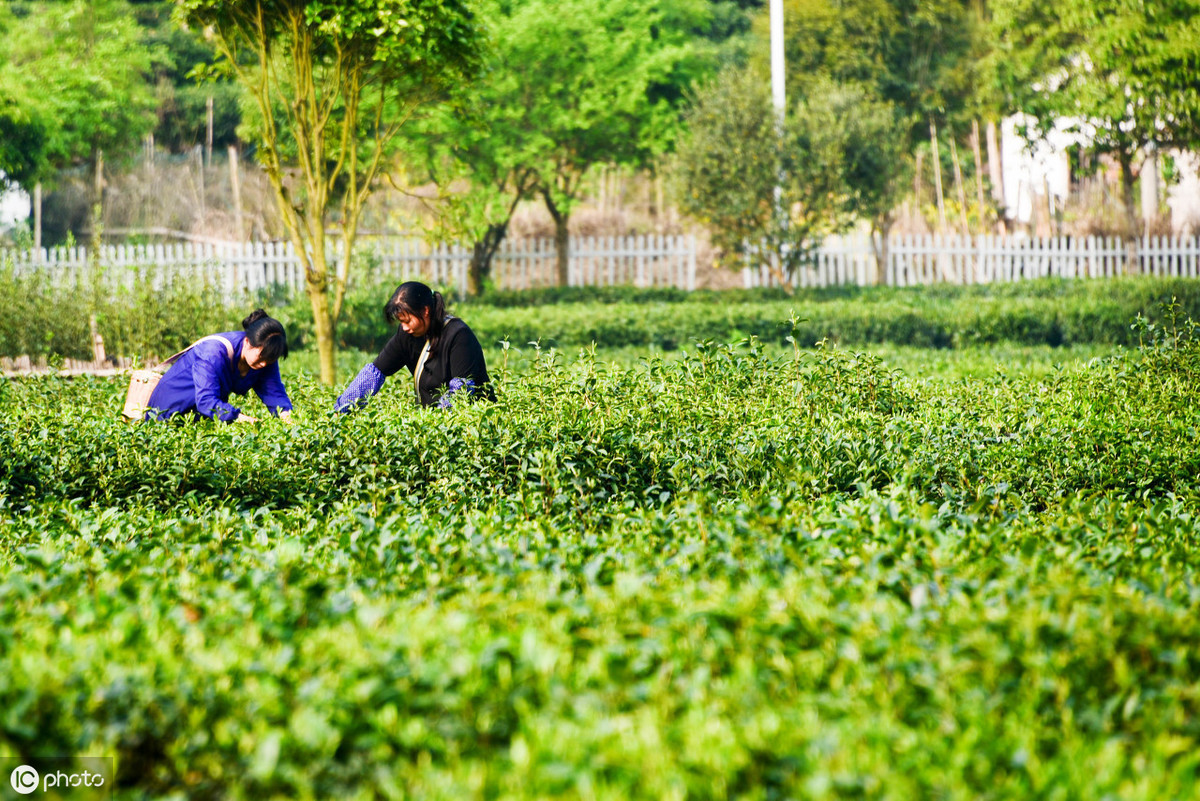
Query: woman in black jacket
x,y
441,352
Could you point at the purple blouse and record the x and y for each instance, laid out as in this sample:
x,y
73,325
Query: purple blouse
x,y
201,381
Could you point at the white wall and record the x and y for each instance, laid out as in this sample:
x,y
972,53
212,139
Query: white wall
x,y
1025,167
1183,198
1032,169
14,207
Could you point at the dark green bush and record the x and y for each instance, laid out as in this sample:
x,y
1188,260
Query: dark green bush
x,y
137,315
138,319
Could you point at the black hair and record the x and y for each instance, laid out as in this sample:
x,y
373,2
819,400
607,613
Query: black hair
x,y
264,331
413,297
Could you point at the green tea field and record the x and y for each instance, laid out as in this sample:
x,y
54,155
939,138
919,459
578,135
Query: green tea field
x,y
886,566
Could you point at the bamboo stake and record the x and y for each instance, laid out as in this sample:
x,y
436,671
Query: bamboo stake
x,y
958,186
937,176
978,169
239,228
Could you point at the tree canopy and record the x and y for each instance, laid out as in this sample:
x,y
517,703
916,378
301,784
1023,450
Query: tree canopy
x,y
1122,74
600,82
78,70
320,88
332,82
768,187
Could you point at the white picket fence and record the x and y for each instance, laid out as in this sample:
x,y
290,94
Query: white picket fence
x,y
643,261
916,260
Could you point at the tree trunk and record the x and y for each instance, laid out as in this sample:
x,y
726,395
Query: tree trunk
x,y
200,180
236,189
995,167
37,218
317,284
881,229
482,254
562,240
208,134
318,298
98,209
1125,159
978,153
959,188
1149,186
562,246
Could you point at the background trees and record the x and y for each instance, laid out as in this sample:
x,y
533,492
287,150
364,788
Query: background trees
x,y
763,185
22,135
1123,75
566,89
74,87
879,73
332,83
568,85
81,68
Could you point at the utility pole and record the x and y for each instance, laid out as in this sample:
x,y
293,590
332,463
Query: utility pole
x,y
778,98
778,95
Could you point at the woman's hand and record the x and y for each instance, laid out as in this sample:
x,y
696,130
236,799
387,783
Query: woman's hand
x,y
245,418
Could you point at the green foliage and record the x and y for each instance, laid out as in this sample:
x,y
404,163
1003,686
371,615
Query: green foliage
x,y
729,574
22,144
81,71
567,85
889,67
1120,76
150,319
332,82
603,82
767,188
1046,313
144,317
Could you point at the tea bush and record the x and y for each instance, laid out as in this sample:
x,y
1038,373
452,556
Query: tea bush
x,y
739,572
136,318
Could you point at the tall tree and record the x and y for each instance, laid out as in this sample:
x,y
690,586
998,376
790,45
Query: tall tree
x,y
768,189
22,134
22,144
333,81
592,82
477,148
81,68
184,94
1121,74
903,66
877,163
913,54
569,84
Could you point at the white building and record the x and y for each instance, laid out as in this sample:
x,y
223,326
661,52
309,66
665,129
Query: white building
x,y
1033,170
14,207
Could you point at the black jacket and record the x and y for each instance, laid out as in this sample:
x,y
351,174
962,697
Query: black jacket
x,y
457,354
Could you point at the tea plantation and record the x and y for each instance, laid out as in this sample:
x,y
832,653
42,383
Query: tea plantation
x,y
741,570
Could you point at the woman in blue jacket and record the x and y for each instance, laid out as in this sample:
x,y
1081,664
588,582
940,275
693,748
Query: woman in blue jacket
x,y
201,380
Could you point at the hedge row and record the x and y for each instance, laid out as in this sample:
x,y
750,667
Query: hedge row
x,y
45,321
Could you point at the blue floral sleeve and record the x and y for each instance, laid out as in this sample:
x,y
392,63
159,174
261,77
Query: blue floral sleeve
x,y
463,385
365,384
